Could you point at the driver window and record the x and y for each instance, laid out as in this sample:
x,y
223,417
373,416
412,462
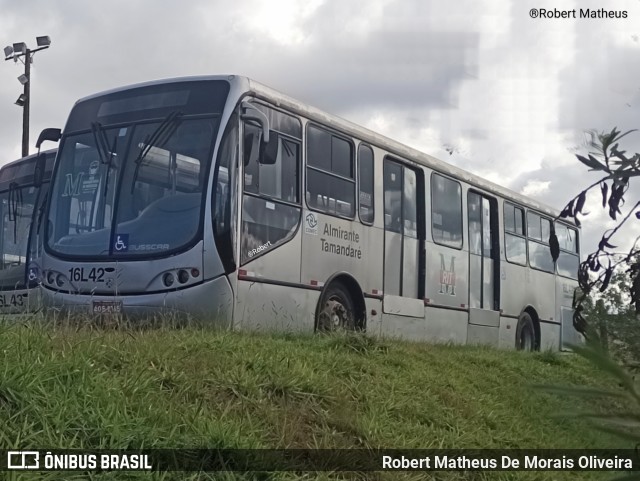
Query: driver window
x,y
271,200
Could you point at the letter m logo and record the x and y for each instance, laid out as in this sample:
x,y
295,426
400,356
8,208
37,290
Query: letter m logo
x,y
71,187
448,276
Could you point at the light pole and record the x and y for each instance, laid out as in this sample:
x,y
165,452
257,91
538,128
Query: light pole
x,y
15,52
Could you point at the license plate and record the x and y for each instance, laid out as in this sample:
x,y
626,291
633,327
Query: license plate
x,y
107,307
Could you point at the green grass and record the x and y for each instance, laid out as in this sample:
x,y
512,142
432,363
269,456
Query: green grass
x,y
91,388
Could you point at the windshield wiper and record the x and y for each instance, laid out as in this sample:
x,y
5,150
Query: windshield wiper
x,y
109,162
158,138
15,205
102,143
104,152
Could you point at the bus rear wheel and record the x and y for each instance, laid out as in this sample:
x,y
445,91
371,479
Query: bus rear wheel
x,y
336,310
525,333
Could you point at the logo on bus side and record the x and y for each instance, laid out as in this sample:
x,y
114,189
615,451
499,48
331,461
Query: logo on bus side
x,y
448,277
311,224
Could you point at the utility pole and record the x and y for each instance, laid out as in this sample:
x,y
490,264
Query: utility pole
x,y
15,52
27,103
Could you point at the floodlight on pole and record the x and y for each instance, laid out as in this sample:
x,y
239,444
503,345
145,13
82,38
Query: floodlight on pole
x,y
44,41
20,47
15,52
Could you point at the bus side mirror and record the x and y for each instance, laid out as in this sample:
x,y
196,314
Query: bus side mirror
x,y
48,134
38,172
249,112
269,150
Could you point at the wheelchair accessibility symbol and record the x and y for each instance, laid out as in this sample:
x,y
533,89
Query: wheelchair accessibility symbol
x,y
121,243
33,274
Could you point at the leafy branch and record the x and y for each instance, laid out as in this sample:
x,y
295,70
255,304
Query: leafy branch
x,y
597,270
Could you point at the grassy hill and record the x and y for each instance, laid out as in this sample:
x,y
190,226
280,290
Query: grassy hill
x,y
91,388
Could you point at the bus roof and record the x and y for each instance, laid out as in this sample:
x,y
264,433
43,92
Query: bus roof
x,y
21,172
28,157
244,85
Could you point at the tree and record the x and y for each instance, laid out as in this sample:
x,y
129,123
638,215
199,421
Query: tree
x,y
609,287
598,270
614,319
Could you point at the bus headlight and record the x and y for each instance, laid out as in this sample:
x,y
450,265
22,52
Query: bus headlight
x,y
183,276
167,279
60,280
51,277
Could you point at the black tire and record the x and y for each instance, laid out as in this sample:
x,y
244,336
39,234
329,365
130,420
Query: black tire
x,y
526,334
336,310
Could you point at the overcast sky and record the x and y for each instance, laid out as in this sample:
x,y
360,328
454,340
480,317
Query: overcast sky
x,y
509,95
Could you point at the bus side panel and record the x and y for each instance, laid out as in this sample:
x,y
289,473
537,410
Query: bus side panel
x,y
397,326
374,316
439,325
483,335
524,286
444,325
540,293
20,301
507,333
513,297
549,336
259,300
446,276
332,245
271,307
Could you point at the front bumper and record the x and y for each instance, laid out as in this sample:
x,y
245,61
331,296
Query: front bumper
x,y
210,302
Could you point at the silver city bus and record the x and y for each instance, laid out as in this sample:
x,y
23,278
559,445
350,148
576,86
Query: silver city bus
x,y
23,191
220,198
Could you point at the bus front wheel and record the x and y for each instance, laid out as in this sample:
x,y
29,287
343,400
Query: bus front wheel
x,y
336,310
525,333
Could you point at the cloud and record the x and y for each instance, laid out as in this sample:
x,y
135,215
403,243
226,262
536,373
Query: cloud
x,y
476,83
535,187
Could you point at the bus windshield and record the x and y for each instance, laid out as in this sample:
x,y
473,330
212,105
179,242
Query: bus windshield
x,y
130,180
20,204
17,212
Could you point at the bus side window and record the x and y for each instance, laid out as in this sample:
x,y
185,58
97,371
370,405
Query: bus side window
x,y
331,185
270,205
365,183
538,231
569,260
514,239
393,196
534,230
446,211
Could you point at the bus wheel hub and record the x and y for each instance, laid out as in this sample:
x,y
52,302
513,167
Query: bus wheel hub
x,y
335,316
